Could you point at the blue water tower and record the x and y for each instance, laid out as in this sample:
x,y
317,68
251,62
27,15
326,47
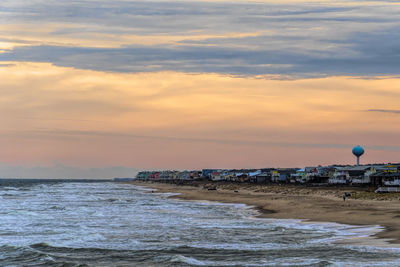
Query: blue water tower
x,y
358,151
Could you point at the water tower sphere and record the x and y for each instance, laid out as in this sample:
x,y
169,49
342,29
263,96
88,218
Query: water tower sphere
x,y
358,151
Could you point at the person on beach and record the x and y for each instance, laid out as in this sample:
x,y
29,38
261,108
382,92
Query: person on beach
x,y
344,197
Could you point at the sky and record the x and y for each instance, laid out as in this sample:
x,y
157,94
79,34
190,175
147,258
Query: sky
x,y
99,89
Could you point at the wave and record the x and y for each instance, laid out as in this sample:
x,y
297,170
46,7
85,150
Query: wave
x,y
45,254
118,225
25,256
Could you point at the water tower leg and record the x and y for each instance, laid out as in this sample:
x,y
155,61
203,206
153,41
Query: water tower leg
x,y
358,161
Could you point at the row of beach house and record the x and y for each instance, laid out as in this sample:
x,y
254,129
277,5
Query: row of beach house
x,y
372,175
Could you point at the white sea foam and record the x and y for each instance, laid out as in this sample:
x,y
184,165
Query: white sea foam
x,y
189,260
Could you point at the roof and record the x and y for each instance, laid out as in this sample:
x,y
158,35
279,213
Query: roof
x,y
359,168
355,168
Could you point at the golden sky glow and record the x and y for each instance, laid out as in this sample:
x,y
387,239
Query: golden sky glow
x,y
196,84
177,120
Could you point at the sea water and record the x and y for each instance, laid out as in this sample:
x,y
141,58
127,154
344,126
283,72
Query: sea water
x,y
109,224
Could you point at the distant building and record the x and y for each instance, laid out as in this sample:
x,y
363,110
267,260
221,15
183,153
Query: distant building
x,y
207,172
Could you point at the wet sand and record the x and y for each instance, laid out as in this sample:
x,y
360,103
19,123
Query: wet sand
x,y
298,202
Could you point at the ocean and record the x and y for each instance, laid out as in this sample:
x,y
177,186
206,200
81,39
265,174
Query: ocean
x,y
112,224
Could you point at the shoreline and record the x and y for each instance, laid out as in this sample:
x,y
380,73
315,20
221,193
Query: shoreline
x,y
294,202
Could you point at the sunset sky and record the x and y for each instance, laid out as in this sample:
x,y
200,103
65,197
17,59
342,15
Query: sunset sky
x,y
97,88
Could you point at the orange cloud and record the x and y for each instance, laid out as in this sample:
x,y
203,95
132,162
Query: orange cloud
x,y
73,35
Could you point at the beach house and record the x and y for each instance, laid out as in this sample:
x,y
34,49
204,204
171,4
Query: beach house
x,y
253,175
207,172
217,175
241,177
388,175
299,176
283,175
361,175
340,176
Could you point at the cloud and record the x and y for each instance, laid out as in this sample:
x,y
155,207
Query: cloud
x,y
292,38
385,111
363,58
179,120
218,141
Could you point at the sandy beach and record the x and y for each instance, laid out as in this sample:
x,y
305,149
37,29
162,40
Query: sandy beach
x,y
297,202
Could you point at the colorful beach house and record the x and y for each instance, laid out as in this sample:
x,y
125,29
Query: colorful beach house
x,y
388,175
216,176
299,177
